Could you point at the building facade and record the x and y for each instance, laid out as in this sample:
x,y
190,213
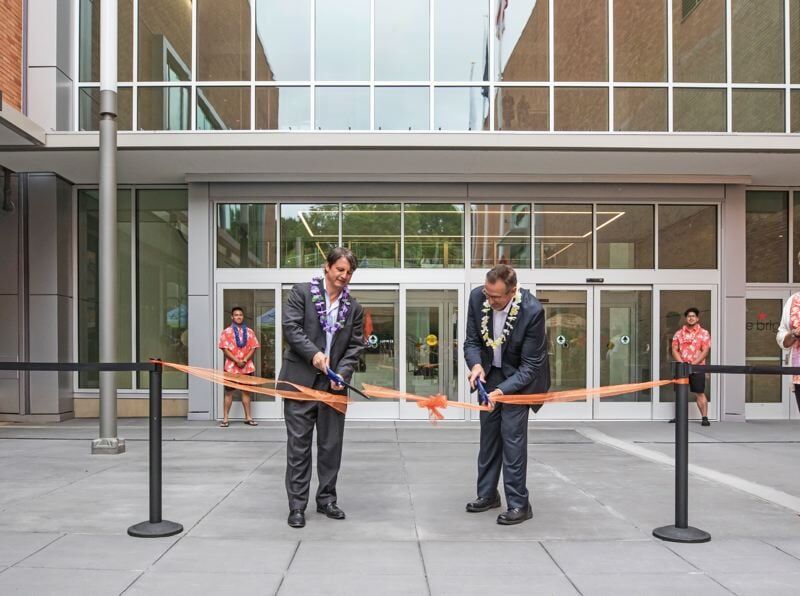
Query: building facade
x,y
629,159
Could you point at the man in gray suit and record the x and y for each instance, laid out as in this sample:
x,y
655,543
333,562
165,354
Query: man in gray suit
x,y
323,328
506,349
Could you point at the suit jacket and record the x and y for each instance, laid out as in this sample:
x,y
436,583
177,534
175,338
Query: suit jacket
x,y
304,337
525,364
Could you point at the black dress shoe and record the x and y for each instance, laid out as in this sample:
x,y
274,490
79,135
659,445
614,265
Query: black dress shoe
x,y
297,519
517,515
484,504
331,510
672,421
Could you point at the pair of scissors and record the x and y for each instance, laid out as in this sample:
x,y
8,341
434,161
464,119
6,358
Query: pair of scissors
x,y
483,397
339,380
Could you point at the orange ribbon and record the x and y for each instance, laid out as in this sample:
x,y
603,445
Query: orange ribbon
x,y
433,403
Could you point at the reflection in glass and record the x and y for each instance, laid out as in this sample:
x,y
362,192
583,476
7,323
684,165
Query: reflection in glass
x,y
640,41
402,40
246,235
501,234
625,330
259,316
762,320
640,109
162,281
283,108
283,40
165,40
794,39
89,108
89,286
372,232
342,40
432,342
795,116
757,34
378,364
520,45
562,236
676,222
434,235
587,22
700,110
581,108
223,40
698,41
223,108
461,108
89,41
672,306
565,321
796,236
461,40
402,108
625,236
521,108
758,110
767,236
163,108
342,108
308,232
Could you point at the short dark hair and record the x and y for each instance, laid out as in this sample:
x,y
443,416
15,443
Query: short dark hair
x,y
503,273
235,308
691,309
340,252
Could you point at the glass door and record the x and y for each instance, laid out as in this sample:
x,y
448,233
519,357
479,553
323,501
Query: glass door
x,y
432,351
623,327
567,323
261,315
766,396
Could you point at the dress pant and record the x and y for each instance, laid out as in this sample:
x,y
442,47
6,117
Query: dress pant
x,y
301,417
503,444
797,395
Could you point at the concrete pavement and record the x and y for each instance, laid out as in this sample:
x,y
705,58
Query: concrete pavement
x,y
598,491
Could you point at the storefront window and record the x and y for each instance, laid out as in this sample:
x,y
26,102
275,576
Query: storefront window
x,y
522,108
402,41
223,108
698,41
562,237
460,40
89,289
757,41
588,22
342,40
680,226
372,232
89,41
581,108
342,108
283,108
640,109
402,108
640,41
758,110
625,236
165,40
432,342
673,303
283,40
700,110
501,234
461,108
434,235
164,108
89,108
308,232
767,236
162,281
378,364
246,235
521,41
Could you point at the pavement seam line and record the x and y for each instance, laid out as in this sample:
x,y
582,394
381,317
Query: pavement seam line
x,y
289,566
765,493
778,548
413,510
130,585
38,550
552,558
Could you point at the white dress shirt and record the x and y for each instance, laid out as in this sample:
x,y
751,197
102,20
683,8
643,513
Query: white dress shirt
x,y
498,322
332,312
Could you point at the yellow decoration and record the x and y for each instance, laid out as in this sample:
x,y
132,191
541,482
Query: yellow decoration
x,y
431,340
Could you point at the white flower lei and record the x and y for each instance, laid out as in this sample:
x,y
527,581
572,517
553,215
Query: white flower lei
x,y
507,328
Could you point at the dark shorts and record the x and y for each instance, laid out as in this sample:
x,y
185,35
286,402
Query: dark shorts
x,y
697,382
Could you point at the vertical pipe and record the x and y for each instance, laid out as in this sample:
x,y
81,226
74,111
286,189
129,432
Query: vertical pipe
x,y
155,444
108,441
682,449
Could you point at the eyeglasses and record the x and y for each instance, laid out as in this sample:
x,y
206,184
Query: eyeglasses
x,y
496,296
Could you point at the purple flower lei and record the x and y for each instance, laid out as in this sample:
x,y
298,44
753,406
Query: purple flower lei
x,y
319,305
241,342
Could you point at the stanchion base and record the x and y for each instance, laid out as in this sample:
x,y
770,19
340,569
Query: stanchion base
x,y
161,529
676,534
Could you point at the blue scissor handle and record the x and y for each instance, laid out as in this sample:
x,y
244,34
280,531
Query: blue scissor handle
x,y
335,377
483,397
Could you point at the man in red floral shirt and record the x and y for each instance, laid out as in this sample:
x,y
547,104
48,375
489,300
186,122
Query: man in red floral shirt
x,y
691,344
238,343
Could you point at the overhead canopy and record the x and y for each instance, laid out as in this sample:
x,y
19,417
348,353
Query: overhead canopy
x,y
17,130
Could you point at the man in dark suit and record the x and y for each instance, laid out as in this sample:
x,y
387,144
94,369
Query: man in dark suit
x,y
506,348
323,327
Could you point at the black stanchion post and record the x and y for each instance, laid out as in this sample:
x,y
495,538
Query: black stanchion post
x,y
681,531
155,527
